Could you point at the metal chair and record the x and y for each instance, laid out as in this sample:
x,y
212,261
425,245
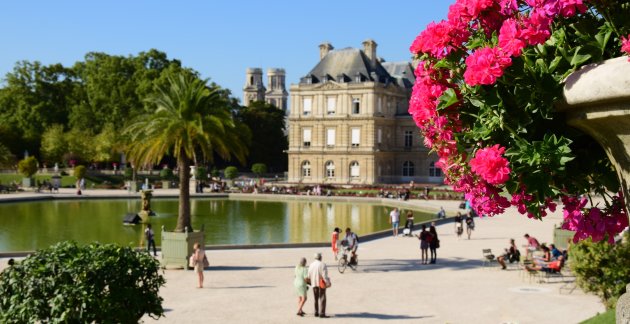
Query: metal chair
x,y
488,257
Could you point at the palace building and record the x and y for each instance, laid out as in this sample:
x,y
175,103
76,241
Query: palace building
x,y
349,122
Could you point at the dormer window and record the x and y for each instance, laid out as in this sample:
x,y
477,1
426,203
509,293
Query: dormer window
x,y
357,77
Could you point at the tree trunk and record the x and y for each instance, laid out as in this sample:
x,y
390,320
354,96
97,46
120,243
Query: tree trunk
x,y
183,217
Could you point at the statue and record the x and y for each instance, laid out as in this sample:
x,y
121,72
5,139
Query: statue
x,y
146,205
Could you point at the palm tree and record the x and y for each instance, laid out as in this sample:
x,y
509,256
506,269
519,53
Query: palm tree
x,y
191,119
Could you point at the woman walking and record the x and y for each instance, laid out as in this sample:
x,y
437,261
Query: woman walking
x,y
424,244
434,244
198,262
301,273
335,242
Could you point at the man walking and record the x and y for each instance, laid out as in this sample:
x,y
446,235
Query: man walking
x,y
318,272
394,218
150,237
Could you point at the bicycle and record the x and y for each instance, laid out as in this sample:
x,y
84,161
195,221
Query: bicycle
x,y
343,262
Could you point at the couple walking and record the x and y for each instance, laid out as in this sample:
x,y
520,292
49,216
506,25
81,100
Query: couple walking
x,y
316,276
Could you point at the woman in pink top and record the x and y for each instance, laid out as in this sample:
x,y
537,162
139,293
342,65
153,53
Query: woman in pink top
x,y
335,241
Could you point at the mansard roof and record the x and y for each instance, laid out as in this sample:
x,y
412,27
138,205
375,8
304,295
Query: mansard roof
x,y
402,72
347,63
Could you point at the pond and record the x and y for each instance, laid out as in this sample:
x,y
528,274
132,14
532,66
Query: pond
x,y
27,226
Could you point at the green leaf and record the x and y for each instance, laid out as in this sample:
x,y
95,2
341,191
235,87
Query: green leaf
x,y
578,59
447,99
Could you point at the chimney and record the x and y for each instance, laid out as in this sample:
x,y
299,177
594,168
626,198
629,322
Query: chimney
x,y
369,48
324,48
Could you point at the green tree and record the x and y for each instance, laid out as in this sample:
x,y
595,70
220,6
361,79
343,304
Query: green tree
x,y
28,166
259,169
191,119
68,283
54,144
7,159
35,97
230,172
80,171
107,144
80,145
269,141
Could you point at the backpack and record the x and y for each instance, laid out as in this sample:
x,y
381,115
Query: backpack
x,y
357,237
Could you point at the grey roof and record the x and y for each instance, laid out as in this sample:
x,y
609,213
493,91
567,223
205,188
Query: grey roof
x,y
402,72
347,63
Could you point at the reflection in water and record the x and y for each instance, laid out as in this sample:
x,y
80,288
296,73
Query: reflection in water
x,y
30,225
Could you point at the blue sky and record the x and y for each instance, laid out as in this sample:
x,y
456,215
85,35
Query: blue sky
x,y
220,39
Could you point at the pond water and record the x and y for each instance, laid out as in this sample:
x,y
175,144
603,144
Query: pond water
x,y
28,226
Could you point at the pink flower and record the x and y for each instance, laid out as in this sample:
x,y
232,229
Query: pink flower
x,y
435,40
537,28
594,222
569,8
485,65
625,45
509,38
490,165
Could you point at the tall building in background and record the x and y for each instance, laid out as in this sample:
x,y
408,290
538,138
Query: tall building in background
x,y
275,94
349,122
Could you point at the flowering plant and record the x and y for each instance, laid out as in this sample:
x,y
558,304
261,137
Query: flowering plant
x,y
487,82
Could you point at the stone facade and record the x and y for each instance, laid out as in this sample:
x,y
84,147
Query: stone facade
x,y
349,122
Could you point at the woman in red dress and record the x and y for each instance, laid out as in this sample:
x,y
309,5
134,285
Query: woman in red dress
x,y
335,242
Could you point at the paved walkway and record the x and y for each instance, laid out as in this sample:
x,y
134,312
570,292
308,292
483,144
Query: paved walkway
x,y
255,286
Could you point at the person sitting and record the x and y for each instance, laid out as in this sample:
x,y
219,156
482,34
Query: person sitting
x,y
511,254
546,254
532,244
555,253
551,267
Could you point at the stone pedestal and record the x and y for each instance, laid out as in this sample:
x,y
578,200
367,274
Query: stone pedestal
x,y
598,102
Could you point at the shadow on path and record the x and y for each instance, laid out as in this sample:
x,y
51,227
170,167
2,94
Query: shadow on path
x,y
243,287
387,265
379,316
233,268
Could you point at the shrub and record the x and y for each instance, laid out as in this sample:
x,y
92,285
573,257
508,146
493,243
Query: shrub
x,y
128,174
28,166
81,284
214,172
79,171
602,268
259,169
230,172
201,173
166,174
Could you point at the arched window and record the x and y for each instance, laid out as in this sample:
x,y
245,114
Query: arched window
x,y
306,169
408,170
330,169
354,169
434,171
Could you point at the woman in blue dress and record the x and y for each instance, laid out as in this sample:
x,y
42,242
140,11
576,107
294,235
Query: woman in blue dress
x,y
301,273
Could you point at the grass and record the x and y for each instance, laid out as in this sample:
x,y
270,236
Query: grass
x,y
607,317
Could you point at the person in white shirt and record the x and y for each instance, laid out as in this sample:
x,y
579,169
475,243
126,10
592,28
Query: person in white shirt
x,y
318,271
352,244
394,219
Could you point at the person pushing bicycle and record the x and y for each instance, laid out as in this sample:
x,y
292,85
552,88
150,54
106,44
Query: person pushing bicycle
x,y
351,244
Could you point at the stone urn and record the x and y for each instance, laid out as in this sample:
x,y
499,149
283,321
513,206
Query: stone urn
x,y
598,102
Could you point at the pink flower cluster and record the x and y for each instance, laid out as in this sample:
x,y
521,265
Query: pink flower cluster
x,y
594,222
518,24
625,45
490,165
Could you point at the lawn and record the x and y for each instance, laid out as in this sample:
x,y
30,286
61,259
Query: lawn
x,y
604,318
